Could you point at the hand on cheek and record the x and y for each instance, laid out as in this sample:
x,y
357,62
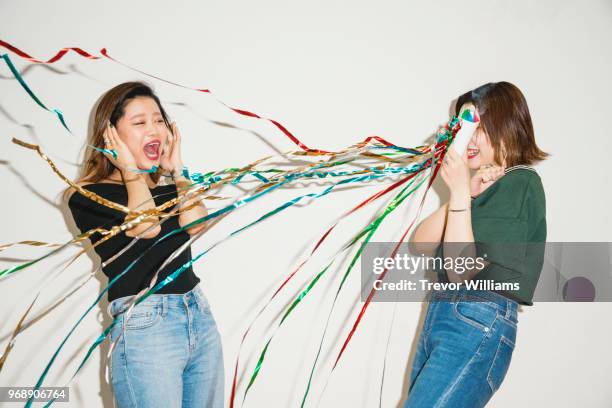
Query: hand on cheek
x,y
171,156
485,177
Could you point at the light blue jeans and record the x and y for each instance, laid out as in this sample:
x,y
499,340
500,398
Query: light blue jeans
x,y
464,350
169,354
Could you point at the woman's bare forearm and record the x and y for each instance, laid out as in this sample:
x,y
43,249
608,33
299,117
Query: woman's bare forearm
x,y
194,213
139,198
458,234
459,220
431,229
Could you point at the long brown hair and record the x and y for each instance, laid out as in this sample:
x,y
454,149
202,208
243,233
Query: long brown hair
x,y
111,107
506,120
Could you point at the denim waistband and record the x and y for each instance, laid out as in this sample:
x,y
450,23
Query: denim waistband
x,y
119,305
506,306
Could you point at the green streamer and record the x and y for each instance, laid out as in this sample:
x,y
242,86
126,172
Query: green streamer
x,y
25,86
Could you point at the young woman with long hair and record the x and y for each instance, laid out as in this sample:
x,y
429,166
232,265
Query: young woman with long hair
x,y
469,334
169,354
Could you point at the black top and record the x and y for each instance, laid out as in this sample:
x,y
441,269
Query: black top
x,y
88,214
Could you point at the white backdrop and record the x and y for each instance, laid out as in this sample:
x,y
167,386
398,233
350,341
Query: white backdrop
x,y
333,73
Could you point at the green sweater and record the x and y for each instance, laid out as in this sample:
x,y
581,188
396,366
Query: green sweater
x,y
509,226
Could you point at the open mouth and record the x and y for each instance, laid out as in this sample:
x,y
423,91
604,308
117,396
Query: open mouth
x,y
472,152
151,149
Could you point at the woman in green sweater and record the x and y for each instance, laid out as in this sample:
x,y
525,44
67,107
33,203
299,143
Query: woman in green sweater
x,y
499,215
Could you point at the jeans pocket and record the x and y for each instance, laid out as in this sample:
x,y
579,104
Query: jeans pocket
x,y
500,364
480,315
143,316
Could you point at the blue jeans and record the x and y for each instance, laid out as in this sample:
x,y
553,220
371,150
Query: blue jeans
x,y
464,350
169,354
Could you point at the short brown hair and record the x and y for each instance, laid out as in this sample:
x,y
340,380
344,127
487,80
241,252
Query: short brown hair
x,y
506,120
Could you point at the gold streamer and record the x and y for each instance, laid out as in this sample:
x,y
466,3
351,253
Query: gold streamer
x,y
31,243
